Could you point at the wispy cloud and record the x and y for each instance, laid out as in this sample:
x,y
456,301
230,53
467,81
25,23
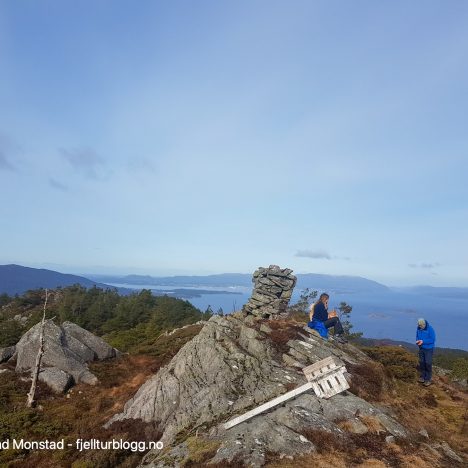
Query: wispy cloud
x,y
84,160
5,164
57,185
319,254
141,165
323,254
424,265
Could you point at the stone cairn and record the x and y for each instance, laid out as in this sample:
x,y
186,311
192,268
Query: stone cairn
x,y
273,288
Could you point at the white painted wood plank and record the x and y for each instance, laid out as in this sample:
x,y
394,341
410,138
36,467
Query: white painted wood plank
x,y
325,378
331,384
266,406
330,360
343,381
328,372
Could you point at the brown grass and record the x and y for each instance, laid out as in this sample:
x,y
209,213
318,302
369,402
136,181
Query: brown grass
x,y
432,408
373,424
345,424
346,450
315,460
324,441
372,463
282,332
414,461
83,414
367,380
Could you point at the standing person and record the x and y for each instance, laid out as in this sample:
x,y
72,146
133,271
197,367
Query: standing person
x,y
319,319
425,339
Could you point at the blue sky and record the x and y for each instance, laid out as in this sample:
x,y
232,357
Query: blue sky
x,y
202,137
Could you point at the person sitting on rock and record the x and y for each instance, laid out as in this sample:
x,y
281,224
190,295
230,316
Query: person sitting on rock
x,y
321,320
425,339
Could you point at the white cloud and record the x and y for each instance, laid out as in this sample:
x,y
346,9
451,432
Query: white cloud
x,y
318,254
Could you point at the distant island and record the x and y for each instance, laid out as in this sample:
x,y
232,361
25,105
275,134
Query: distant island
x,y
338,283
190,293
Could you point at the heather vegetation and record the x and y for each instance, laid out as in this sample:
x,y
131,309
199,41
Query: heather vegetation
x,y
397,362
82,412
454,360
388,379
153,329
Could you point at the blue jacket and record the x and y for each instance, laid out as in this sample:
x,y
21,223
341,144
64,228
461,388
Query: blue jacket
x,y
320,313
320,327
427,335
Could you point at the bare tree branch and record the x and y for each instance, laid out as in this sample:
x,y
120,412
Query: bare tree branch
x,y
37,367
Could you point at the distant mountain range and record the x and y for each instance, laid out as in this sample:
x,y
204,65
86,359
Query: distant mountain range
x,y
348,284
220,280
445,292
339,284
16,279
378,311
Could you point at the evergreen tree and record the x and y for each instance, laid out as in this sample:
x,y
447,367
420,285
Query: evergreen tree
x,y
344,313
306,298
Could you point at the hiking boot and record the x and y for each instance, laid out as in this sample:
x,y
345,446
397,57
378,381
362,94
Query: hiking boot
x,y
427,383
341,339
421,380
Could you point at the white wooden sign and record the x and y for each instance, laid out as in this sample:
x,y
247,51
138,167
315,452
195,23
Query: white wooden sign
x,y
327,377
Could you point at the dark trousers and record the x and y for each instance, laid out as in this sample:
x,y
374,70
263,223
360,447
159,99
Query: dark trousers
x,y
334,322
425,363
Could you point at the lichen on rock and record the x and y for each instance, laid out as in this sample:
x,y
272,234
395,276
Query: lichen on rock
x,y
230,367
67,348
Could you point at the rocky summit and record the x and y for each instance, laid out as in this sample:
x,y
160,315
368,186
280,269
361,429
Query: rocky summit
x,y
233,365
273,288
67,350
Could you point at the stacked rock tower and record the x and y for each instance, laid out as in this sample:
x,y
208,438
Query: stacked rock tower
x,y
273,288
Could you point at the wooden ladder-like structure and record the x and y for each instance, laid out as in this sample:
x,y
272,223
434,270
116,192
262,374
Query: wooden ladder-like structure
x,y
325,377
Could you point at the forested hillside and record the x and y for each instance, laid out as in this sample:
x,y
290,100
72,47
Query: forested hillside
x,y
126,322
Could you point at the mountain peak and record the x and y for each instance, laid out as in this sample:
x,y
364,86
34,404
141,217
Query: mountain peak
x,y
234,364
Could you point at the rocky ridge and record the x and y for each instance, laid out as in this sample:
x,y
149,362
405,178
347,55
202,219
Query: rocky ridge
x,y
235,364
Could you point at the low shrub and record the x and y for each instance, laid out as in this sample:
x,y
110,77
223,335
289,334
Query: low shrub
x,y
325,441
200,451
367,380
398,362
356,448
282,332
430,400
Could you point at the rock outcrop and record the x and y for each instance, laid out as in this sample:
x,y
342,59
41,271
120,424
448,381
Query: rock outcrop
x,y
67,350
231,366
101,350
6,353
226,367
57,379
273,288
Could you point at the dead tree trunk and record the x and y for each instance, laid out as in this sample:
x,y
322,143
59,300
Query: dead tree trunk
x,y
37,367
